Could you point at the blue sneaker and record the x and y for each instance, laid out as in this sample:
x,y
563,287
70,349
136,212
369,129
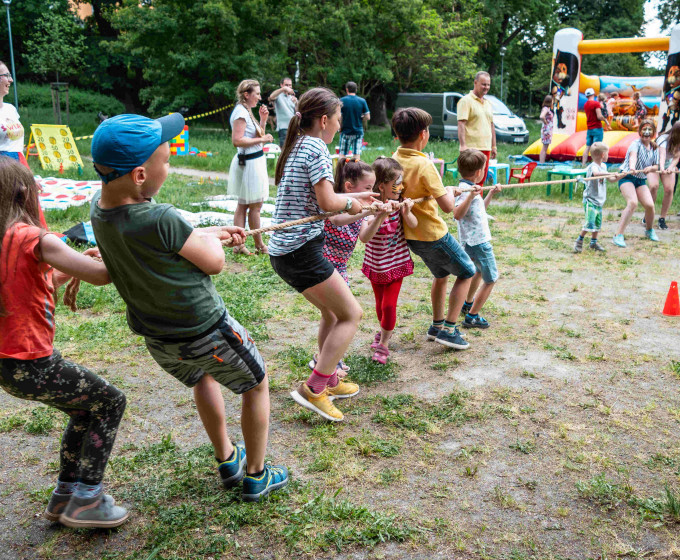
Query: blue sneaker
x,y
232,471
477,322
651,235
272,478
452,339
432,332
619,241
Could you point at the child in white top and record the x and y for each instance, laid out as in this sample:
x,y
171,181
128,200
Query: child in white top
x,y
387,260
475,236
594,197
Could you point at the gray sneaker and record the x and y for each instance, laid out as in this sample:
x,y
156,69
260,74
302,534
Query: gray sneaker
x,y
597,247
99,512
578,245
56,506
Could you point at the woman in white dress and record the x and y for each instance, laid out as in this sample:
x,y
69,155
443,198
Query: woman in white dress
x,y
248,179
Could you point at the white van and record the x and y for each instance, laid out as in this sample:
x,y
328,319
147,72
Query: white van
x,y
442,107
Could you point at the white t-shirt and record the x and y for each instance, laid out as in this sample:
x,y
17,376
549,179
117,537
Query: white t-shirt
x,y
285,109
241,112
11,131
473,228
595,191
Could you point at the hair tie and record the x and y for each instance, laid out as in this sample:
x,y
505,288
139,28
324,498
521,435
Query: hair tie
x,y
298,114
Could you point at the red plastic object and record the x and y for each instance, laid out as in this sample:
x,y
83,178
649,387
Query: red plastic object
x,y
617,152
672,307
566,151
522,173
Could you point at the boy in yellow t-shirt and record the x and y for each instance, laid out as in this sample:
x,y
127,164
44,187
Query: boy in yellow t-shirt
x,y
431,239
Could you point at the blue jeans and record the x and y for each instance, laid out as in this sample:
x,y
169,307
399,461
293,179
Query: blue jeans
x,y
485,261
444,257
282,136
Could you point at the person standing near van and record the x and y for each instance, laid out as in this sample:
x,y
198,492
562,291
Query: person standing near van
x,y
284,104
475,120
354,111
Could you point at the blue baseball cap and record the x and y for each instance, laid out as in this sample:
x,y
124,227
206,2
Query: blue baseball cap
x,y
125,142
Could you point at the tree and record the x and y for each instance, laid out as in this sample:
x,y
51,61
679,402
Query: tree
x,y
57,45
669,12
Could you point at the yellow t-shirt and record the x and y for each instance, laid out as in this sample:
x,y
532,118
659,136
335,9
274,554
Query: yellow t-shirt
x,y
479,121
422,179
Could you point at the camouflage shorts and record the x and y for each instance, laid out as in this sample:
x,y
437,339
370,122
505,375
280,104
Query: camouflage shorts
x,y
227,353
593,216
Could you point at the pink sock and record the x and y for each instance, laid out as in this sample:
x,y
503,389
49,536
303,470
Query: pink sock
x,y
333,381
317,381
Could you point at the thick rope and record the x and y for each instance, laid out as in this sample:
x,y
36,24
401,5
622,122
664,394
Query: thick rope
x,y
317,217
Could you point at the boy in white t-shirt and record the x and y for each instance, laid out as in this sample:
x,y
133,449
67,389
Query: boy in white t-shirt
x,y
475,235
594,196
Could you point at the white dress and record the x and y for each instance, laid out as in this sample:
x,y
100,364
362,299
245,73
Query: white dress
x,y
249,182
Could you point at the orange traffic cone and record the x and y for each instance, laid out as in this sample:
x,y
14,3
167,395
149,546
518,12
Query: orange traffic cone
x,y
672,307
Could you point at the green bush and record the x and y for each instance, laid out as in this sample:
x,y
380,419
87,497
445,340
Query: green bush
x,y
34,95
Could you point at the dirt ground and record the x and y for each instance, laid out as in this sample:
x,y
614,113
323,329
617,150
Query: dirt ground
x,y
566,420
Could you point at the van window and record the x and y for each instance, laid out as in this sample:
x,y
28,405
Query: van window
x,y
451,103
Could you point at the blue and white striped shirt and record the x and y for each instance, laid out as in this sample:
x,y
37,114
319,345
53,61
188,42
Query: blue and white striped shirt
x,y
308,163
646,157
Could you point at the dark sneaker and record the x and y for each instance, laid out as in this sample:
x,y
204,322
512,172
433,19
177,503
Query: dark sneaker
x,y
466,307
232,471
56,506
597,247
99,512
662,223
452,339
478,322
578,246
432,332
255,488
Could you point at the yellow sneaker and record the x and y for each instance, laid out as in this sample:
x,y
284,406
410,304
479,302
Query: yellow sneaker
x,y
342,390
320,403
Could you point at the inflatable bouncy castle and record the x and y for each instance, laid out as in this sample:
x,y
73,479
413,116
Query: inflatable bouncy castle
x,y
661,95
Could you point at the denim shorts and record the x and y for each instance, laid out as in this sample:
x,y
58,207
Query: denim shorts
x,y
305,267
637,182
485,261
444,257
226,352
594,135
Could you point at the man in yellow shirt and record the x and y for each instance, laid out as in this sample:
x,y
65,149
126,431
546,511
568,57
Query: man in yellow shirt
x,y
475,120
431,239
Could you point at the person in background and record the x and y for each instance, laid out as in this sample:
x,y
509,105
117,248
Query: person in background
x,y
284,105
11,130
355,114
595,120
475,120
547,116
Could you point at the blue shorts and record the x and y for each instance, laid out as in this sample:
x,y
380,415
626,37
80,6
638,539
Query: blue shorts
x,y
594,135
485,261
444,257
637,182
351,143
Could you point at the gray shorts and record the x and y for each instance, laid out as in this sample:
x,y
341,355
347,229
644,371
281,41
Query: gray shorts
x,y
227,353
443,257
485,261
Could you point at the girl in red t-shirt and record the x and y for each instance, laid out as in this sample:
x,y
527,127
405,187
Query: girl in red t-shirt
x,y
33,264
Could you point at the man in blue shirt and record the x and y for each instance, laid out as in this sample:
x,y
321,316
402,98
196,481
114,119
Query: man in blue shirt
x,y
354,110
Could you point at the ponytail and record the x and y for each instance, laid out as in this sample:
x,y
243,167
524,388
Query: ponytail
x,y
349,170
312,105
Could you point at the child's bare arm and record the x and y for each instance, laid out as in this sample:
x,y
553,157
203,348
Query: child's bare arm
x,y
447,202
330,201
71,263
205,251
346,219
371,226
489,196
406,213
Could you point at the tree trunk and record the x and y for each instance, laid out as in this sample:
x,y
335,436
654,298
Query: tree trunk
x,y
377,106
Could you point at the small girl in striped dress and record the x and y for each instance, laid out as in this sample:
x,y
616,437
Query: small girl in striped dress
x,y
387,259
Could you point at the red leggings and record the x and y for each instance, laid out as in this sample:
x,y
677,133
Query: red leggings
x,y
386,296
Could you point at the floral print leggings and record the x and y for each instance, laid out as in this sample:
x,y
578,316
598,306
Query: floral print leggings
x,y
94,405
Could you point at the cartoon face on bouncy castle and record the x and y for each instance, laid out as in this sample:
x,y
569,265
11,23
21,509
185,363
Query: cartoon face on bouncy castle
x,y
671,93
564,73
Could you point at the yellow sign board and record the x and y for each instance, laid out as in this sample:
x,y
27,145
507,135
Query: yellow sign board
x,y
56,146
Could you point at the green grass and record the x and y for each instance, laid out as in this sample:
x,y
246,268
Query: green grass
x,y
39,420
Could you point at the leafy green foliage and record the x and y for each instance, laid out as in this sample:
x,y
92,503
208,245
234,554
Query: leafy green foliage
x,y
79,100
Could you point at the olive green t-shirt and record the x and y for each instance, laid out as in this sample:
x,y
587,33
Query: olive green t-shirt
x,y
166,295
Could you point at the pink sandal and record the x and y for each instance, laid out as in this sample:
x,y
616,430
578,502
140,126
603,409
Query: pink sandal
x,y
381,354
376,340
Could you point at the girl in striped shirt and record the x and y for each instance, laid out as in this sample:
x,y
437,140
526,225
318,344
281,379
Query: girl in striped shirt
x,y
387,259
642,158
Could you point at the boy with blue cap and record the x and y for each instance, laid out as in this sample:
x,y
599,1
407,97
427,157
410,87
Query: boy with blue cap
x,y
161,267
